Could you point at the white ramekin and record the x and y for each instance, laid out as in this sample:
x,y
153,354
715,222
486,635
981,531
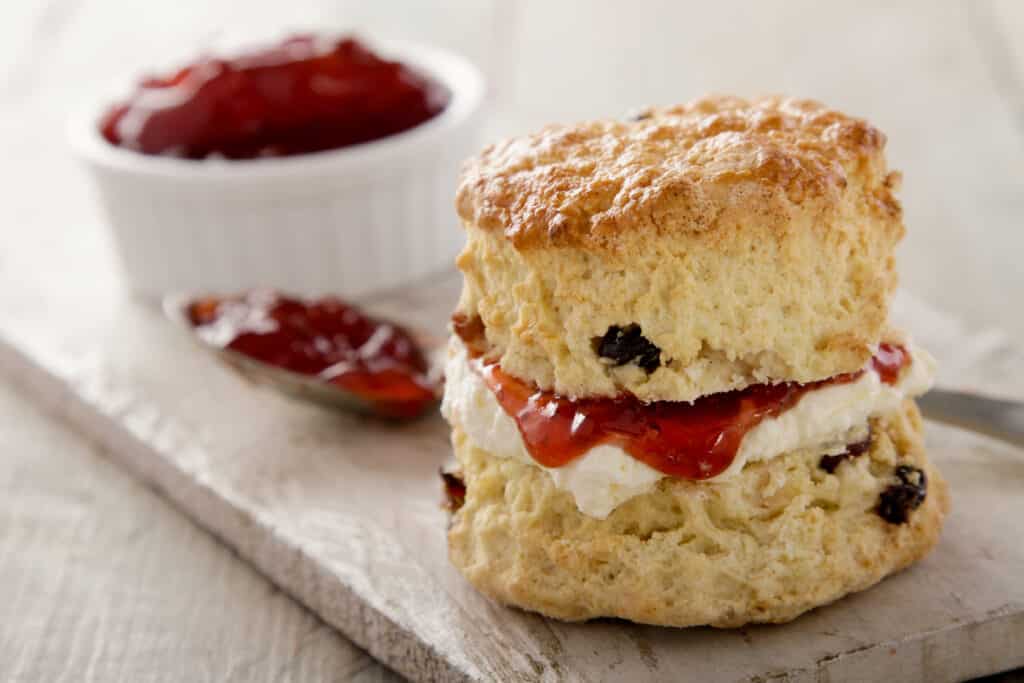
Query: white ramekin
x,y
349,221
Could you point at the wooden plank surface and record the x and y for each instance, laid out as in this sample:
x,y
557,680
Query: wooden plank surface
x,y
343,513
80,539
943,79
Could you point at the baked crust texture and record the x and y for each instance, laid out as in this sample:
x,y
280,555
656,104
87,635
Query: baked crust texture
x,y
781,538
675,170
751,241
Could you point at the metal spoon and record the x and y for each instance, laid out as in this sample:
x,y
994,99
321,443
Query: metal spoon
x,y
994,417
304,387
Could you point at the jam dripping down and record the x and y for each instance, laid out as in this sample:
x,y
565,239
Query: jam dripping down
x,y
696,440
306,94
327,338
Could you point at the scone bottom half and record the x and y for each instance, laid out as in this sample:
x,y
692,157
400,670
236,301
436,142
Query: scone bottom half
x,y
673,393
783,537
569,537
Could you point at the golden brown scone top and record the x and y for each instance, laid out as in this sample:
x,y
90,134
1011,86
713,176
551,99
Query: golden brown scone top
x,y
681,168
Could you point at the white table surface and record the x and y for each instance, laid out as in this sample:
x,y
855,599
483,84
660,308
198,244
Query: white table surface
x,y
102,580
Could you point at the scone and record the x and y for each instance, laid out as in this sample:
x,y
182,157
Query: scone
x,y
673,391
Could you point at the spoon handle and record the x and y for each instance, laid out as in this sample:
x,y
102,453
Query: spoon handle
x,y
994,417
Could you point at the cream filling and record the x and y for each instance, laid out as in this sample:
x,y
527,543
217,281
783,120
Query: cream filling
x,y
825,419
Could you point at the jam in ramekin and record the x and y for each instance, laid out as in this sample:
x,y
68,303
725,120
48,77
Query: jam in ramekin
x,y
306,94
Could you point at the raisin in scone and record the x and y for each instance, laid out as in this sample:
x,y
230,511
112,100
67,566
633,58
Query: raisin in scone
x,y
674,393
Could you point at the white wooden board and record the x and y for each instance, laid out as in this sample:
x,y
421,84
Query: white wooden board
x,y
343,513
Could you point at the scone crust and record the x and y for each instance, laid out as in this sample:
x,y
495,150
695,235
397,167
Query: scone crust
x,y
690,168
752,241
781,538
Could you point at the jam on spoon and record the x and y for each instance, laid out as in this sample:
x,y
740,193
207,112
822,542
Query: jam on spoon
x,y
306,94
696,440
326,339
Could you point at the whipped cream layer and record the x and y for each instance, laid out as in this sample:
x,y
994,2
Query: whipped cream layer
x,y
825,419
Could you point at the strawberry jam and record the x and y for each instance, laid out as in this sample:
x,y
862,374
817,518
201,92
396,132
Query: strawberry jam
x,y
304,95
327,338
889,361
696,440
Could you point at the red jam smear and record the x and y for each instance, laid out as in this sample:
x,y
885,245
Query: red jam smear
x,y
306,94
889,361
696,440
327,338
